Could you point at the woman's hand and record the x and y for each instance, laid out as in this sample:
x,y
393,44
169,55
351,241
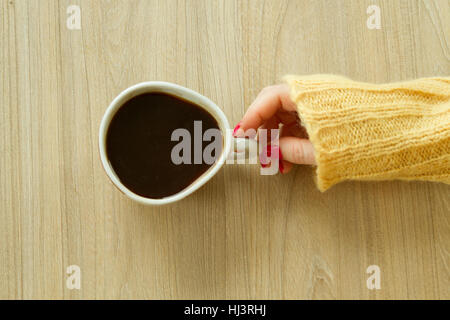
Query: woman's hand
x,y
271,108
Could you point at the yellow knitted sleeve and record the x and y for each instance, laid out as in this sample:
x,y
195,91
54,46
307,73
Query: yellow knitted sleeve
x,y
368,131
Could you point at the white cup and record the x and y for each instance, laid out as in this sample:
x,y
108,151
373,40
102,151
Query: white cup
x,y
239,145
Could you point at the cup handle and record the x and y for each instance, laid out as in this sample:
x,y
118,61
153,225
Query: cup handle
x,y
244,148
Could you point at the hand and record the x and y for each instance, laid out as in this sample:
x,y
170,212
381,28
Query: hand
x,y
271,108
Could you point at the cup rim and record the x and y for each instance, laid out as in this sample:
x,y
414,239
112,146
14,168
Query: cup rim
x,y
178,91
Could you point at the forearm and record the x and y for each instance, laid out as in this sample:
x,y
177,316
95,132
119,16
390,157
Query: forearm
x,y
375,131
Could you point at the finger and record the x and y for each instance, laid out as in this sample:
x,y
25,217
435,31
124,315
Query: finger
x,y
270,100
297,150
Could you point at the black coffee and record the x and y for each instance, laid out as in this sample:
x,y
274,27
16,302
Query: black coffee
x,y
139,145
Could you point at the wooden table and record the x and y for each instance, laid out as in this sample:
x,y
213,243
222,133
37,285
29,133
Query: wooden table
x,y
243,235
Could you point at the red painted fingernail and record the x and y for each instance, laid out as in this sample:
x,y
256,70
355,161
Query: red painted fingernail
x,y
236,129
265,158
280,159
269,151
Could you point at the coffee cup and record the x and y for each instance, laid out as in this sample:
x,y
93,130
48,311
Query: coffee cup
x,y
232,147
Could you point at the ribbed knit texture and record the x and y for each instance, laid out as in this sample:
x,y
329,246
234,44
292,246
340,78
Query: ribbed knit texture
x,y
368,131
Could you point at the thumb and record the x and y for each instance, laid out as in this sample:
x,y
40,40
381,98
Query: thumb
x,y
297,150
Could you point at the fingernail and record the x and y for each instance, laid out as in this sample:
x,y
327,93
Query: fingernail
x,y
272,152
265,158
280,159
264,161
238,132
236,128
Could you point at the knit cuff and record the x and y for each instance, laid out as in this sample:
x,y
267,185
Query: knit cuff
x,y
368,131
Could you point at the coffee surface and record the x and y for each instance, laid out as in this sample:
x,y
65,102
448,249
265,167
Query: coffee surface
x,y
139,144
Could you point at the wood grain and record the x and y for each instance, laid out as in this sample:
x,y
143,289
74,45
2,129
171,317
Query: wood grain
x,y
242,235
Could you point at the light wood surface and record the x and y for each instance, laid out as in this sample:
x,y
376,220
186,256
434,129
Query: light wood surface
x,y
242,235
